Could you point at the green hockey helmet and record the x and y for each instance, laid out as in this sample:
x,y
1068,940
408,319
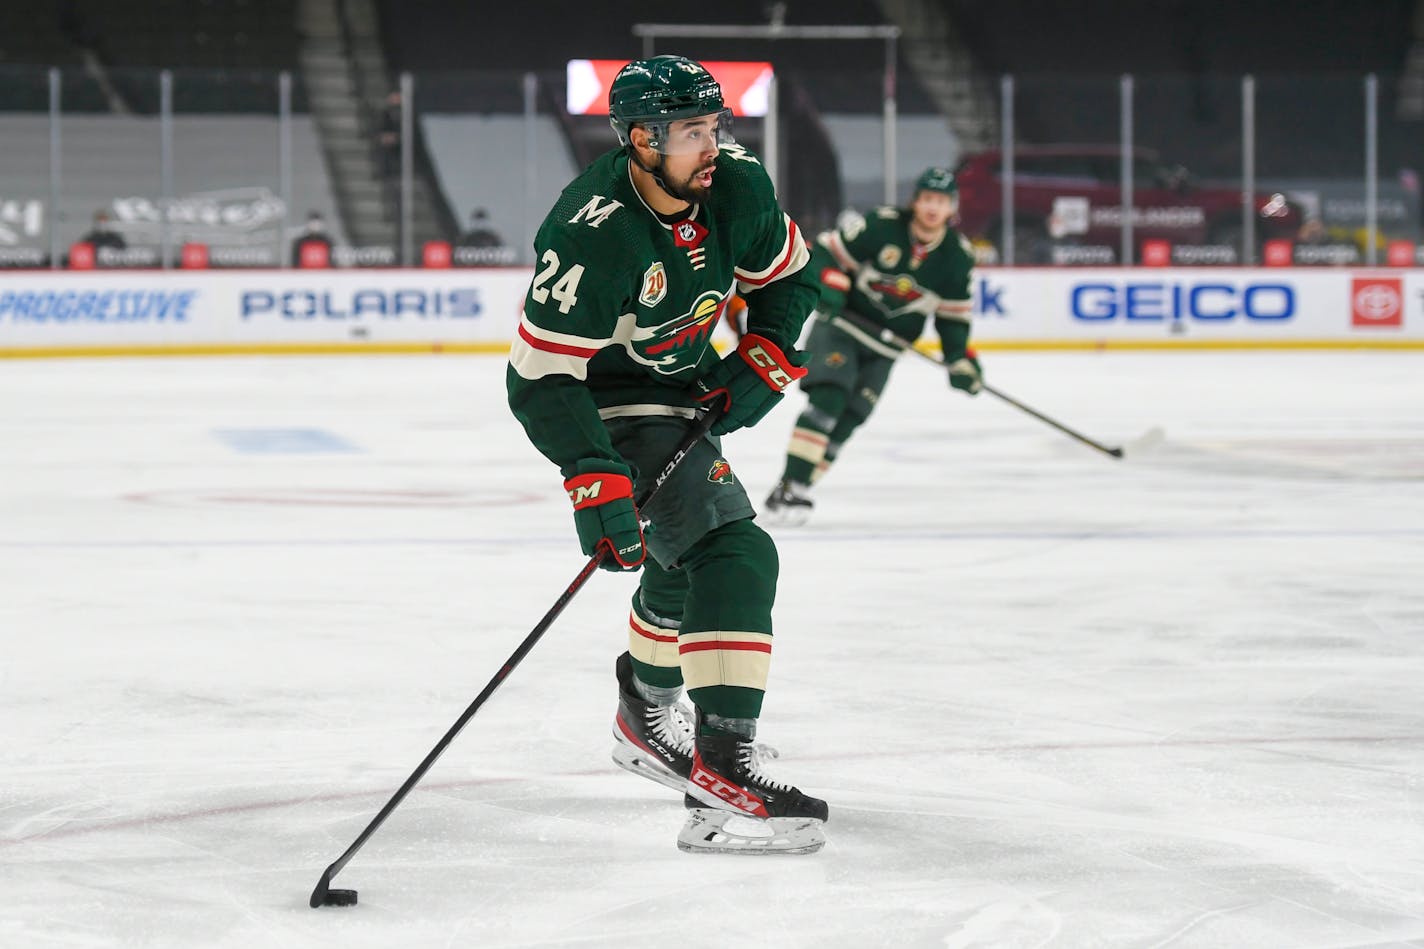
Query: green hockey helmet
x,y
654,93
937,179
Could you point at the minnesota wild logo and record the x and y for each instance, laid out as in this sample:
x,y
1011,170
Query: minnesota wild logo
x,y
677,344
720,473
904,289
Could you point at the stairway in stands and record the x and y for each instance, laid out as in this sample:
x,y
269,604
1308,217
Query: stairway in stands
x,y
346,82
945,67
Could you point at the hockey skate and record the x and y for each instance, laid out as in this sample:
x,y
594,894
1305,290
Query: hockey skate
x,y
654,741
789,504
735,808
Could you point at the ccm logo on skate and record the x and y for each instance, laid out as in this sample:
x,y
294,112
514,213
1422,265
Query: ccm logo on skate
x,y
730,793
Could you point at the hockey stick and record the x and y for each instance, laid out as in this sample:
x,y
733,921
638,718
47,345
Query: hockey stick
x,y
859,323
323,895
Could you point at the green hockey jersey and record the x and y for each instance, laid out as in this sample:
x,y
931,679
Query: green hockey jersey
x,y
618,319
896,281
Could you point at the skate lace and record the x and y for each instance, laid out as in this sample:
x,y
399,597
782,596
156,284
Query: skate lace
x,y
752,756
673,724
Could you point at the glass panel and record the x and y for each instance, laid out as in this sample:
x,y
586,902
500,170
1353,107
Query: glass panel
x,y
24,167
111,171
1310,147
484,177
498,175
1401,164
1067,178
1188,169
837,144
227,190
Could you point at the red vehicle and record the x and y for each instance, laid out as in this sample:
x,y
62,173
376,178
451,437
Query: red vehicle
x,y
1073,194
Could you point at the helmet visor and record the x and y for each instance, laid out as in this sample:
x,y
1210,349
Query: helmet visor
x,y
691,136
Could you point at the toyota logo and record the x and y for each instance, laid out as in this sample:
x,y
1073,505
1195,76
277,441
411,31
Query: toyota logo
x,y
1377,302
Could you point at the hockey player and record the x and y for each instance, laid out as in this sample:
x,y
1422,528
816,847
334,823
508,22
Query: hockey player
x,y
894,267
636,263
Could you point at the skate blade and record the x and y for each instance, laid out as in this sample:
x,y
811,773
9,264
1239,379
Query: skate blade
x,y
786,516
709,830
632,760
796,517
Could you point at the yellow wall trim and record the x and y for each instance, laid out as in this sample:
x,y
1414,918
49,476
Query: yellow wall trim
x,y
252,349
502,348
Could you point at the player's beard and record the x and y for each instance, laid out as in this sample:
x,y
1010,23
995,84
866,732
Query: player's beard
x,y
686,189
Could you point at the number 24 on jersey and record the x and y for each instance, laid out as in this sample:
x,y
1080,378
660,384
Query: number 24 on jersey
x,y
565,289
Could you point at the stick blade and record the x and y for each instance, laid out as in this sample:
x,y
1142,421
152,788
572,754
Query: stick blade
x,y
323,886
339,898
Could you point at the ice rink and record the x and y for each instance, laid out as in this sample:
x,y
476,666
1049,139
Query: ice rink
x,y
1052,699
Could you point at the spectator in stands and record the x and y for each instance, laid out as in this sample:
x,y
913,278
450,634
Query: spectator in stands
x,y
102,234
1312,231
388,138
313,233
480,233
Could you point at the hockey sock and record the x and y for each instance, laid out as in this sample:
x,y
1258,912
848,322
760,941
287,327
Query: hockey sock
x,y
811,435
827,460
653,624
847,423
725,639
853,417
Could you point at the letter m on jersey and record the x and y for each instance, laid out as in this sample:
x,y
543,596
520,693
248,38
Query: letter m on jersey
x,y
596,212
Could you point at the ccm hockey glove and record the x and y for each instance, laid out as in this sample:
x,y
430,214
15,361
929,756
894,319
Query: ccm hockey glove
x,y
752,380
965,373
602,493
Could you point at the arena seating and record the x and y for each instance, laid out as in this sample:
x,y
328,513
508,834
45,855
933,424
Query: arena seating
x,y
1309,59
254,34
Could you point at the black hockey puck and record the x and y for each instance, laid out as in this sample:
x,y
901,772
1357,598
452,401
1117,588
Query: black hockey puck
x,y
339,898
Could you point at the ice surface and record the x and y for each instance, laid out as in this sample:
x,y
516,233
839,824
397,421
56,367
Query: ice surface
x,y
1052,699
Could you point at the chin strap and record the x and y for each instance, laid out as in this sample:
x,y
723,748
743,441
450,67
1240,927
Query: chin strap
x,y
633,157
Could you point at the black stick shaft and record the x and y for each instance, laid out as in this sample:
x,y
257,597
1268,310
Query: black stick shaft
x,y
1110,451
698,432
890,339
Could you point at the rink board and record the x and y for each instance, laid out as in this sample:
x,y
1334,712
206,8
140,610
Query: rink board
x,y
102,313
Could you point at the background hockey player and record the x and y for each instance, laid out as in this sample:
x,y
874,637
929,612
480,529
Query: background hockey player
x,y
894,267
635,266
